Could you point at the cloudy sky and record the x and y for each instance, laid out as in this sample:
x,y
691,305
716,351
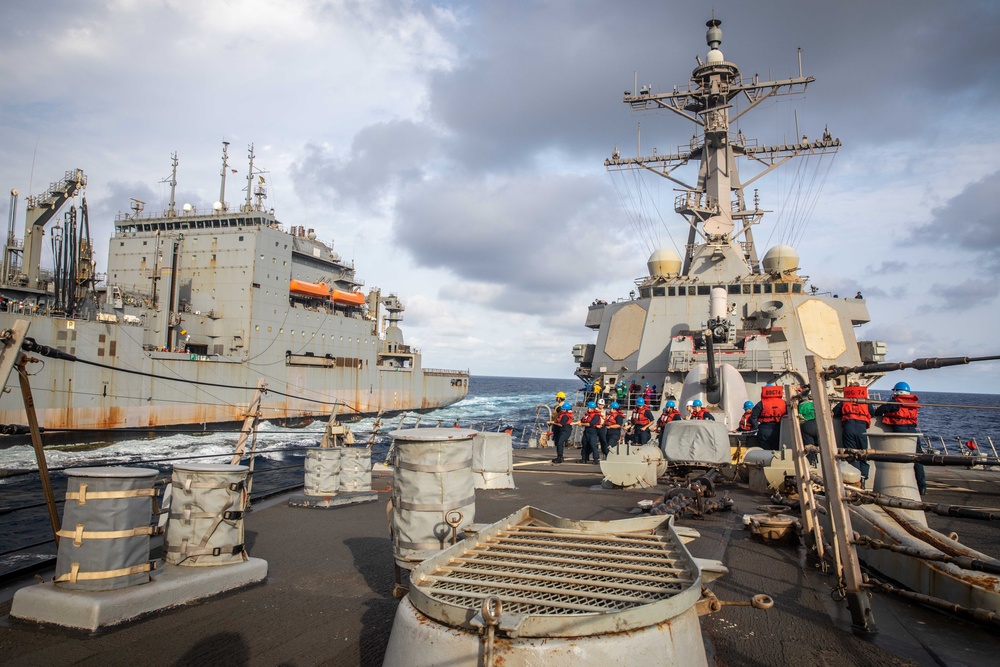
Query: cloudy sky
x,y
455,149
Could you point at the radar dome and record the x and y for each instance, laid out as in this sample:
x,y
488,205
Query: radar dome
x,y
715,56
664,262
188,208
217,206
780,258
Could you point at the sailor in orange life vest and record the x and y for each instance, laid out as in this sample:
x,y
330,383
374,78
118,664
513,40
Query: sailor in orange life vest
x,y
855,420
641,421
698,411
670,414
746,423
590,422
602,428
613,423
900,416
556,428
767,414
564,422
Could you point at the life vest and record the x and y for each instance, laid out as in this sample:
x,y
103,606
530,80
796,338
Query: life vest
x,y
907,412
615,418
745,423
565,418
855,411
641,416
772,405
589,418
669,415
699,413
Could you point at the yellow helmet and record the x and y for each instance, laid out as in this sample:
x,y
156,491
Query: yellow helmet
x,y
561,394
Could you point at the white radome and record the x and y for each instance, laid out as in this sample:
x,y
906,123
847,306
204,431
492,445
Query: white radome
x,y
664,263
715,56
780,258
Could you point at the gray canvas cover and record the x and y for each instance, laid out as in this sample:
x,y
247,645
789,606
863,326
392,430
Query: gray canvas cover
x,y
206,515
493,461
86,549
696,442
322,471
355,469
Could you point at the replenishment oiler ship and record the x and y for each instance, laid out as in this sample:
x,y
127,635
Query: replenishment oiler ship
x,y
197,309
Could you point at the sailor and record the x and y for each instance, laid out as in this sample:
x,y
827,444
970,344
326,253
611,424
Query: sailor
x,y
670,414
597,388
699,411
808,427
855,420
602,428
562,428
642,421
590,422
556,428
767,416
900,416
746,423
613,423
621,392
689,406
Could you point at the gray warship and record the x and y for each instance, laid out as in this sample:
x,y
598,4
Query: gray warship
x,y
720,322
198,308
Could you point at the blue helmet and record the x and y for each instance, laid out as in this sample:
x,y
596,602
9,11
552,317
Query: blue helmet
x,y
748,405
671,404
591,405
614,405
901,386
640,401
697,403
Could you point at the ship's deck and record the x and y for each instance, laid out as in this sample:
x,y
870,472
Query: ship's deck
x,y
328,597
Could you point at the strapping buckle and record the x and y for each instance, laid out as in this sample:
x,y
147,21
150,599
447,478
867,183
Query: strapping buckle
x,y
233,515
237,486
235,551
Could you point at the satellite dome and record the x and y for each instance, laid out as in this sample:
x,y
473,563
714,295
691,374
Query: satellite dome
x,y
715,56
664,262
188,208
780,258
217,206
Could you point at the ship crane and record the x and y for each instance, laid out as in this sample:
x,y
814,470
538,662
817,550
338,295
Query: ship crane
x,y
40,210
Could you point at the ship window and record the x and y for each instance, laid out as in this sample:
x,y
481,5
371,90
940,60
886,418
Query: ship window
x,y
704,290
644,293
143,243
241,238
659,291
746,288
781,288
767,288
122,244
681,291
756,288
671,291
734,289
797,288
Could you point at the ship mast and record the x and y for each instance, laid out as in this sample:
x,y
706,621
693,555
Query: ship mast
x,y
225,167
171,210
716,204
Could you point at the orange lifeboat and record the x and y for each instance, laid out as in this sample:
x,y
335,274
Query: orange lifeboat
x,y
352,298
316,290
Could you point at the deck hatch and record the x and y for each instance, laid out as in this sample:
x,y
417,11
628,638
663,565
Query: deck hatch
x,y
562,577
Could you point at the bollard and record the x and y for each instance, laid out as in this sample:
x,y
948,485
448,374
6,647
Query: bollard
x,y
897,479
206,515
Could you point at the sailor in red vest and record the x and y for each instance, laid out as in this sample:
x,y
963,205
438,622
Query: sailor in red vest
x,y
699,411
613,423
900,416
641,421
602,428
855,420
564,420
767,416
746,423
670,414
590,422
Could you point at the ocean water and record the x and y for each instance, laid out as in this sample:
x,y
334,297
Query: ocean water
x,y
493,404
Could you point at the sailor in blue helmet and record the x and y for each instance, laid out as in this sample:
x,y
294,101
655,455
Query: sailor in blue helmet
x,y
699,411
641,422
614,421
590,422
670,414
900,416
746,423
564,420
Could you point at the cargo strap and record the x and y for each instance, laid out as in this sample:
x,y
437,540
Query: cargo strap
x,y
83,495
189,484
202,549
423,546
434,507
448,467
74,575
79,535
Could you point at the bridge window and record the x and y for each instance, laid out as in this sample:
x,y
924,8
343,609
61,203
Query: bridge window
x,y
671,291
797,288
734,289
781,288
767,288
704,290
659,291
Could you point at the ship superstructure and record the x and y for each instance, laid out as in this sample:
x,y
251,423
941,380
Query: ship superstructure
x,y
223,296
719,322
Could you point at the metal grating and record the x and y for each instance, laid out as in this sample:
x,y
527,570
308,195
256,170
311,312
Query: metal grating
x,y
537,569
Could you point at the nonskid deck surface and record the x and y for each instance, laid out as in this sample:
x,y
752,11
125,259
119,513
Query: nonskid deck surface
x,y
328,598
